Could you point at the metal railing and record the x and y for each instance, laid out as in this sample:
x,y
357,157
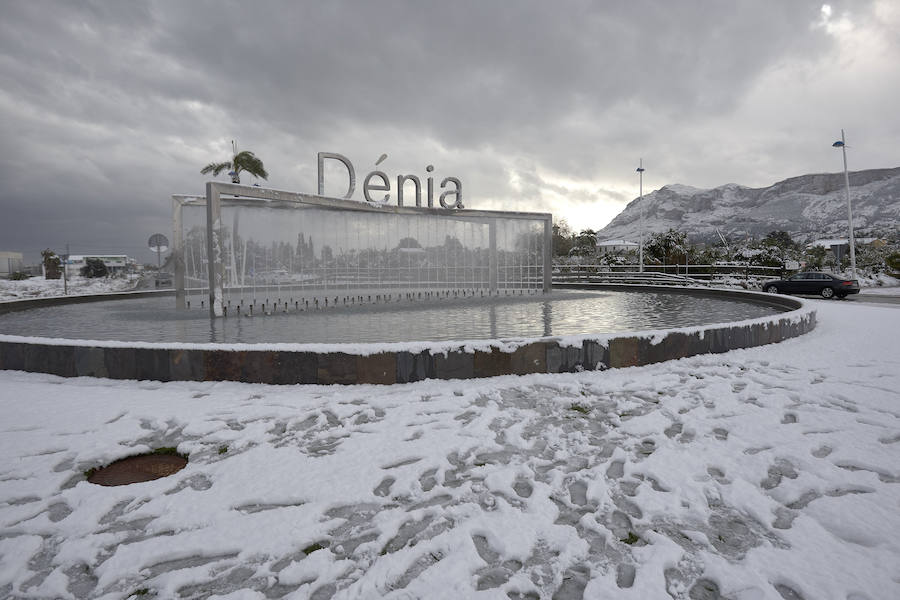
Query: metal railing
x,y
745,276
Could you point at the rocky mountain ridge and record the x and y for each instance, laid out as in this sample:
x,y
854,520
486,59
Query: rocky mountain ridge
x,y
808,207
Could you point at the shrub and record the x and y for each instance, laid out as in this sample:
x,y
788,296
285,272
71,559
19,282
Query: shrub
x,y
52,264
19,275
94,267
893,261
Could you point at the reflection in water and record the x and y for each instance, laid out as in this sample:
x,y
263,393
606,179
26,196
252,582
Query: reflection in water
x,y
310,247
559,313
548,318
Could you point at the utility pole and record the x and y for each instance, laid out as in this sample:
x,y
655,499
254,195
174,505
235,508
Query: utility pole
x,y
842,145
640,171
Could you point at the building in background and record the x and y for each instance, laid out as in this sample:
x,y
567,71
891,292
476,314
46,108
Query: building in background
x,y
115,263
840,247
10,262
614,246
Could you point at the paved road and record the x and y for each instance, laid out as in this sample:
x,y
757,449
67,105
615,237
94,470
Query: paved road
x,y
864,298
876,298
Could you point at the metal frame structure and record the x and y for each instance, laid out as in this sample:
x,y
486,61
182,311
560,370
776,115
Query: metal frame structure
x,y
252,196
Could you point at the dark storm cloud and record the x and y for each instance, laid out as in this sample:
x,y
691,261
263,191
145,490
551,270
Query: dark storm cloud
x,y
109,107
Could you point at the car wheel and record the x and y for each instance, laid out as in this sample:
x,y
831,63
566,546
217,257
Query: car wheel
x,y
827,292
772,289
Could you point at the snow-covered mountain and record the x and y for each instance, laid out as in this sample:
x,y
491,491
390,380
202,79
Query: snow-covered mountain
x,y
808,206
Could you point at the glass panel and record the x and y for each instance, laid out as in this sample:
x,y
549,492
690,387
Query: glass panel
x,y
304,255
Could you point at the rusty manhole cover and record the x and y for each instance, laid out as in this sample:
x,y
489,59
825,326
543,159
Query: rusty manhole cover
x,y
135,469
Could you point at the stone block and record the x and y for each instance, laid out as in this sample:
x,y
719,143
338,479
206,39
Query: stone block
x,y
623,352
186,365
674,345
336,367
563,359
120,363
454,365
295,367
12,356
152,363
377,368
90,361
222,365
491,364
258,366
56,360
596,355
531,358
414,367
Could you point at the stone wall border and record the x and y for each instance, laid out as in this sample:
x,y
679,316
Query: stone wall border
x,y
401,363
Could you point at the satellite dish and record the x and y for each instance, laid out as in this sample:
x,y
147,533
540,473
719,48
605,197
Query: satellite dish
x,y
158,243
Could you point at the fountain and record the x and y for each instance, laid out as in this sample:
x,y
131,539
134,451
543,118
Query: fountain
x,y
280,287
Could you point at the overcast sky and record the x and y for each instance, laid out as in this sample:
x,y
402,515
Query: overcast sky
x,y
107,108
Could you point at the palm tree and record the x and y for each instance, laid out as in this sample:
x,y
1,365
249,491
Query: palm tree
x,y
242,161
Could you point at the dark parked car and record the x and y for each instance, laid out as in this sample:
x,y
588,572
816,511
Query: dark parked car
x,y
823,284
163,278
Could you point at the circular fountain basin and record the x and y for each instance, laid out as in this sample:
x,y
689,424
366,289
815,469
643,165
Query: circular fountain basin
x,y
591,327
567,312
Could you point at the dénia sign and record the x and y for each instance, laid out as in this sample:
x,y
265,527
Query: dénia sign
x,y
378,181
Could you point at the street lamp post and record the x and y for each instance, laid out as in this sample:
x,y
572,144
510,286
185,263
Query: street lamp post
x,y
640,171
842,145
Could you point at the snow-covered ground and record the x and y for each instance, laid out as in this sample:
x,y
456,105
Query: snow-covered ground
x,y
763,474
36,287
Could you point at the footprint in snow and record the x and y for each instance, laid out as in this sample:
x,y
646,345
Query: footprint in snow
x,y
402,463
523,488
496,573
787,592
427,480
718,475
578,493
821,452
672,430
616,470
782,468
384,488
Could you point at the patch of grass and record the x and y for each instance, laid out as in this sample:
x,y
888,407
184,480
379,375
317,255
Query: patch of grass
x,y
223,449
141,592
312,548
90,472
631,539
581,408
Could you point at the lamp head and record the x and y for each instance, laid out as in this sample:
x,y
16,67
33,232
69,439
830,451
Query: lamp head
x,y
838,144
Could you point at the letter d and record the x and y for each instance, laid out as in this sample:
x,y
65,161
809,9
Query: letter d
x,y
350,171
